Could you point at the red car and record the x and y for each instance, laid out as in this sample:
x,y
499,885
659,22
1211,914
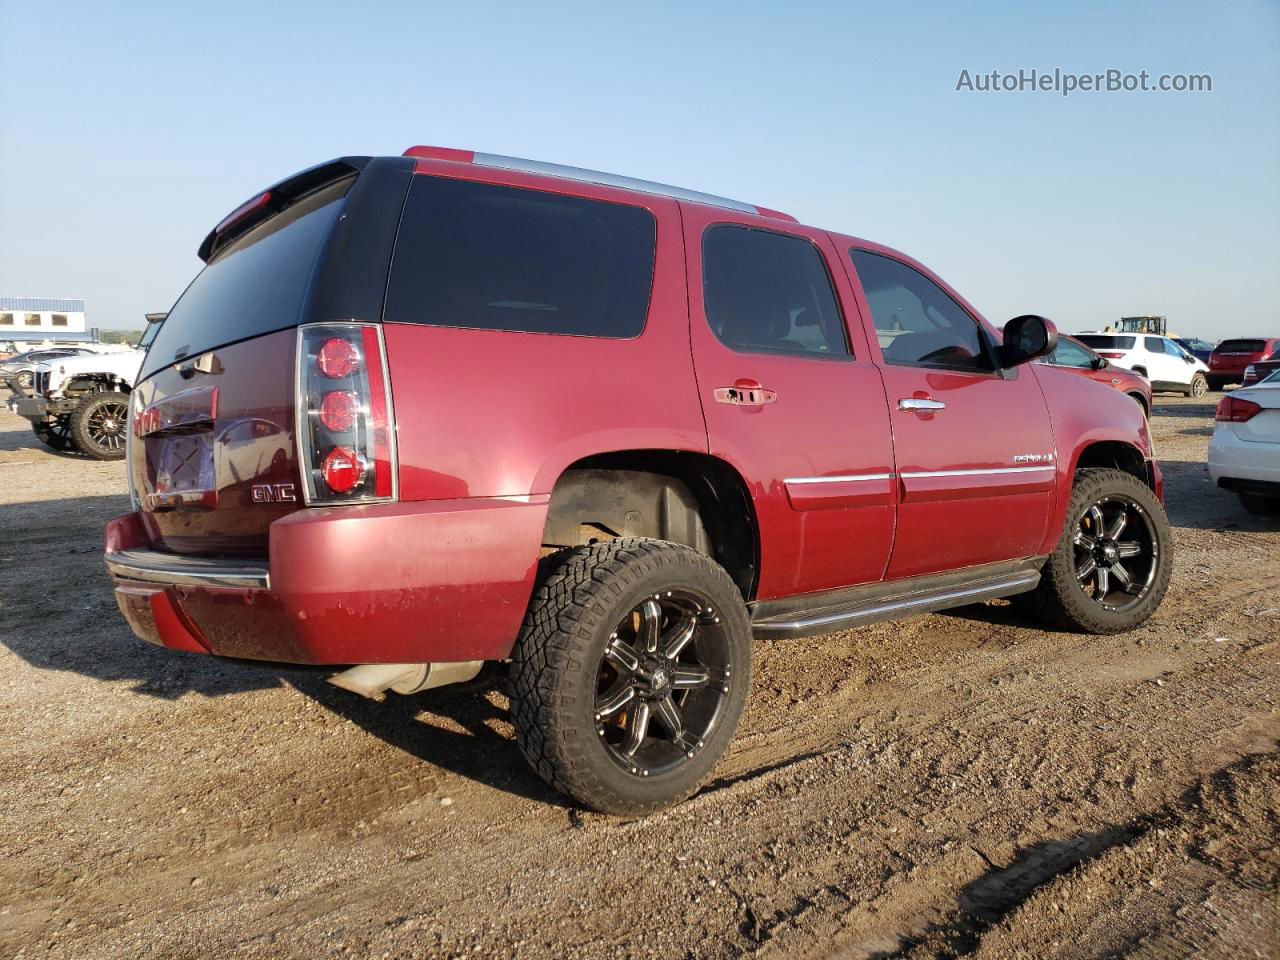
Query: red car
x,y
417,413
1071,354
1259,371
1229,359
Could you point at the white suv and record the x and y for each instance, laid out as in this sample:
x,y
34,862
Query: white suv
x,y
1159,359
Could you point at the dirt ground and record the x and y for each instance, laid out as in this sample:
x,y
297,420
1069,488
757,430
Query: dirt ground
x,y
965,784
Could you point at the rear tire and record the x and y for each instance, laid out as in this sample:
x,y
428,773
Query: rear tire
x,y
1113,561
1199,386
1262,506
99,424
603,709
56,435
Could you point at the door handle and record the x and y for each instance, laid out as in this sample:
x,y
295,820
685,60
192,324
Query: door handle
x,y
920,404
745,393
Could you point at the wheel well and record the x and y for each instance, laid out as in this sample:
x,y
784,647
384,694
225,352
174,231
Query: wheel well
x,y
92,383
1141,401
1140,369
1117,454
689,498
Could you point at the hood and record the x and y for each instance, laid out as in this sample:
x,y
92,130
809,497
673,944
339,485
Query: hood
x,y
123,365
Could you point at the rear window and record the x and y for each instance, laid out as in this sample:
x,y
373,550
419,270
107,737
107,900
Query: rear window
x,y
490,257
1242,346
256,285
1099,342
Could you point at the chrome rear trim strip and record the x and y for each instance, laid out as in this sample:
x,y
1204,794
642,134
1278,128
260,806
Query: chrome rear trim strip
x,y
173,569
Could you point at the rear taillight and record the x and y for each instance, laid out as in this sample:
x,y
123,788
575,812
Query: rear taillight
x,y
346,439
1235,410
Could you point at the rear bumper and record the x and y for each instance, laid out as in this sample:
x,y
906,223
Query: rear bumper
x,y
1233,460
430,582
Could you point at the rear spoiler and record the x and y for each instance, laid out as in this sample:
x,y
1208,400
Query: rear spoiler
x,y
274,199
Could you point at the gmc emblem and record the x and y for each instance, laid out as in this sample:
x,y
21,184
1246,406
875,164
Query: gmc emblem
x,y
274,493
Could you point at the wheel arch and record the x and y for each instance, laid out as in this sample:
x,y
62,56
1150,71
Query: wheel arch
x,y
691,498
1118,454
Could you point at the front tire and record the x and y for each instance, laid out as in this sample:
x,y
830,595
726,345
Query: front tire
x,y
1199,386
55,435
630,674
99,424
1112,564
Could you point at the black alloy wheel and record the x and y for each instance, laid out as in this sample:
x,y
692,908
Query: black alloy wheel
x,y
630,674
1114,558
100,424
1117,553
663,682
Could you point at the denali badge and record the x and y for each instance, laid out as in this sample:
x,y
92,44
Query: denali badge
x,y
1033,458
274,493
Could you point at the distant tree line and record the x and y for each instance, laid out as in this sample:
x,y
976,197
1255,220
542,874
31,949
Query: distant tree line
x,y
131,337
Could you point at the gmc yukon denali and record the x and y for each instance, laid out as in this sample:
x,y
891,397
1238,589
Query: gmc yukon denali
x,y
417,413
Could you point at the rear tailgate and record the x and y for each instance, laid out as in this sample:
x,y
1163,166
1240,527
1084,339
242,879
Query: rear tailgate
x,y
1232,356
213,458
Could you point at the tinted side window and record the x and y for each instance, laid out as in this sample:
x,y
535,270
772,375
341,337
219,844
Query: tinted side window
x,y
500,258
917,322
1070,354
1153,344
768,292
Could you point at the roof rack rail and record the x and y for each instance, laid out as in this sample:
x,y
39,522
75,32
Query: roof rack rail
x,y
589,176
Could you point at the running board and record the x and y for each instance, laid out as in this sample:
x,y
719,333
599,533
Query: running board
x,y
833,610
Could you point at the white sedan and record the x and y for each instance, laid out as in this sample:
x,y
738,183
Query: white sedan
x,y
1244,454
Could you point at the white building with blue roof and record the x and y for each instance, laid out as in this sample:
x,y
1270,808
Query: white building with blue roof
x,y
35,321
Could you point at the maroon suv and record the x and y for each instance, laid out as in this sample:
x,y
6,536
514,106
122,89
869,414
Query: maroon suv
x,y
417,413
1231,358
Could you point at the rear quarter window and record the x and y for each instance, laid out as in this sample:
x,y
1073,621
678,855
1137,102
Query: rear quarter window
x,y
489,257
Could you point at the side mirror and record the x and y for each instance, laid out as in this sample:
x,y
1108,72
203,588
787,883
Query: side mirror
x,y
1026,338
1101,363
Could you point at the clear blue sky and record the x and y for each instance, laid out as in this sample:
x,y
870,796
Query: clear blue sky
x,y
129,129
